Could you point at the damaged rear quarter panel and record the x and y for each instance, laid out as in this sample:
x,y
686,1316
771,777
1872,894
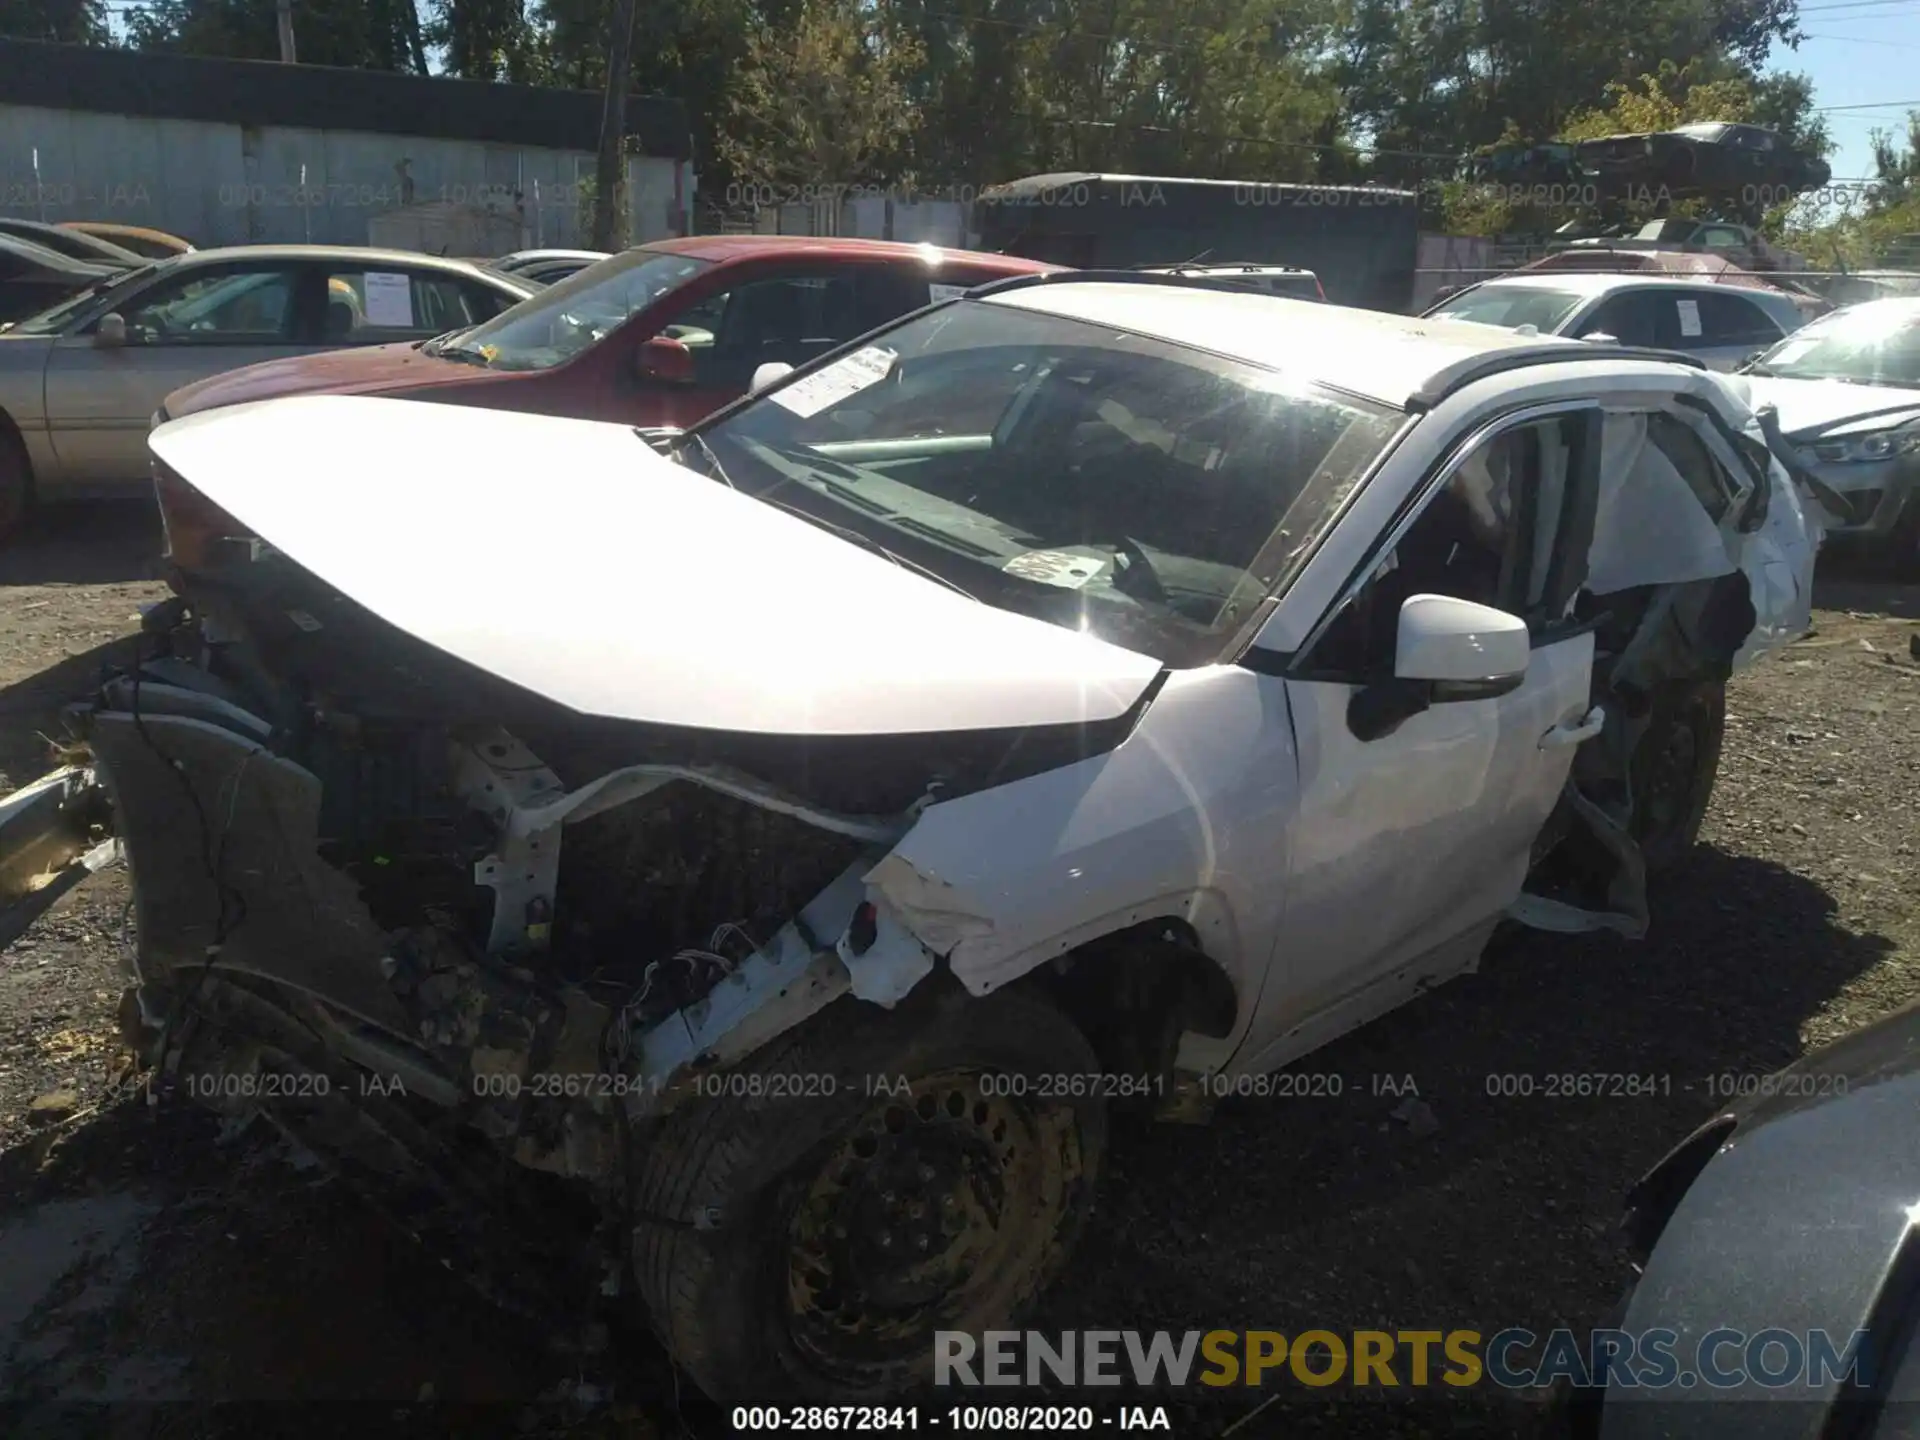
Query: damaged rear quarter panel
x,y
1189,818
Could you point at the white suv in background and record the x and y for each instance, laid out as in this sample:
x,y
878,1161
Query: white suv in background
x,y
1722,324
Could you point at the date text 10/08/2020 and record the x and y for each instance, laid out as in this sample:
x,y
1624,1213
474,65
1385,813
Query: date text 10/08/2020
x,y
958,1419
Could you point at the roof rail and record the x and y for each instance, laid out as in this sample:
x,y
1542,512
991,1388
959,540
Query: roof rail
x,y
1474,368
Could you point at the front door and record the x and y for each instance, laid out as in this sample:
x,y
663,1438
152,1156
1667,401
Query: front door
x,y
1409,846
183,328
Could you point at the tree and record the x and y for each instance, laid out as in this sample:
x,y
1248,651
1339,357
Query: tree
x,y
822,102
74,22
359,34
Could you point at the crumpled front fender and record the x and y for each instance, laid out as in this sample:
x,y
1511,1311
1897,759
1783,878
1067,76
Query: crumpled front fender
x,y
221,836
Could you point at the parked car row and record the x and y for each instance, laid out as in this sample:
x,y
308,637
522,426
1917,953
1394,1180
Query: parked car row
x,y
664,333
1845,387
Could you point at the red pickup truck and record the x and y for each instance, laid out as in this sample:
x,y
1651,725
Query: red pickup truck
x,y
658,335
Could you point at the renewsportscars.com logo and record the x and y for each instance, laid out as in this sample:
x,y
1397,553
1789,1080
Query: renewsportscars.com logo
x,y
1712,1363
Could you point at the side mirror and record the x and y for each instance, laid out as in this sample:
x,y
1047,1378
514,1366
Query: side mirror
x,y
767,374
111,332
1465,651
665,361
1446,651
1600,337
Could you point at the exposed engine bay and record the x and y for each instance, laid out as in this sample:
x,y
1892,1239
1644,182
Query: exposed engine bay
x,y
353,917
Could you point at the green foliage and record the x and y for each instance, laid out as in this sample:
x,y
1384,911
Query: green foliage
x,y
966,92
361,34
822,100
74,22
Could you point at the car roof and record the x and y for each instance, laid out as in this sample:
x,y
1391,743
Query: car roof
x,y
1598,282
1233,270
531,255
40,255
107,229
1884,305
1397,360
355,254
724,248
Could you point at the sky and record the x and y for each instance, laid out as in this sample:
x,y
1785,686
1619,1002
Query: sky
x,y
1863,57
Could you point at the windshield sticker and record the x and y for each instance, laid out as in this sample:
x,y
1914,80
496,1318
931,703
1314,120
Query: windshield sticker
x,y
937,293
1064,568
389,299
1689,317
830,386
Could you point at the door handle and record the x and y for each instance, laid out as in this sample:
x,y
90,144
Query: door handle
x,y
1573,732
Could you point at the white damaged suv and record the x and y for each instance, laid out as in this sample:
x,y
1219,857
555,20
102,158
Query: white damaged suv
x,y
748,874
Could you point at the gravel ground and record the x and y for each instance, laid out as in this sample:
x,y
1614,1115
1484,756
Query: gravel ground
x,y
144,1256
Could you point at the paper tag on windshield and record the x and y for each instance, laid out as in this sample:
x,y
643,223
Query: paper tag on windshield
x,y
1689,316
937,293
844,377
389,299
1064,568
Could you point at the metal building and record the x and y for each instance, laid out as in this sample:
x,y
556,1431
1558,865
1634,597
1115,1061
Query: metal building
x,y
230,152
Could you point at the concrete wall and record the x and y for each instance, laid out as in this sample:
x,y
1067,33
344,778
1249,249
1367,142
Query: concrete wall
x,y
1453,260
236,185
929,222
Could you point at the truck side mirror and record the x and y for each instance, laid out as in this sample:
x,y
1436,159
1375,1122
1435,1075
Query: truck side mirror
x,y
111,332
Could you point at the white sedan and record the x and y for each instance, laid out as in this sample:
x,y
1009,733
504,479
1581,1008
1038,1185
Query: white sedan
x,y
1089,690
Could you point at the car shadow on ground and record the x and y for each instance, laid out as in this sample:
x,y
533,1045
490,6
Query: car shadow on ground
x,y
99,543
1521,1100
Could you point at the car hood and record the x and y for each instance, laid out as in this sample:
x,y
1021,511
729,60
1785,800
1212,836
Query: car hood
x,y
1807,407
365,370
568,558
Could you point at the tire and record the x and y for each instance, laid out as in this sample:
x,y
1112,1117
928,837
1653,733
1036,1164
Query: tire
x,y
813,1194
1673,769
16,485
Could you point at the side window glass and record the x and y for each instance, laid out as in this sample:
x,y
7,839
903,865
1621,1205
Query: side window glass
x,y
221,307
370,306
791,319
482,304
1734,320
1486,535
1632,319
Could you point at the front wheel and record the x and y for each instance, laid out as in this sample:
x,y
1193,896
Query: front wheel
x,y
878,1177
1673,770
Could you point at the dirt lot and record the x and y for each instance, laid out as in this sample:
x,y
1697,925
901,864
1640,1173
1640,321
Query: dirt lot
x,y
148,1260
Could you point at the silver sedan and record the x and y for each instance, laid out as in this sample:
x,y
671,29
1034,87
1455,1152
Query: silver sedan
x,y
1847,389
79,382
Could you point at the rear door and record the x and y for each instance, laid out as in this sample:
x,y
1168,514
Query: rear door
x,y
188,325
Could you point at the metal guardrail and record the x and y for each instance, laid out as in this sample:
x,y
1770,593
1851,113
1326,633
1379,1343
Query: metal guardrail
x,y
48,845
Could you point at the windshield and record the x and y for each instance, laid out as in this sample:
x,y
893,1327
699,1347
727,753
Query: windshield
x,y
556,324
1511,306
48,322
1873,344
1103,481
